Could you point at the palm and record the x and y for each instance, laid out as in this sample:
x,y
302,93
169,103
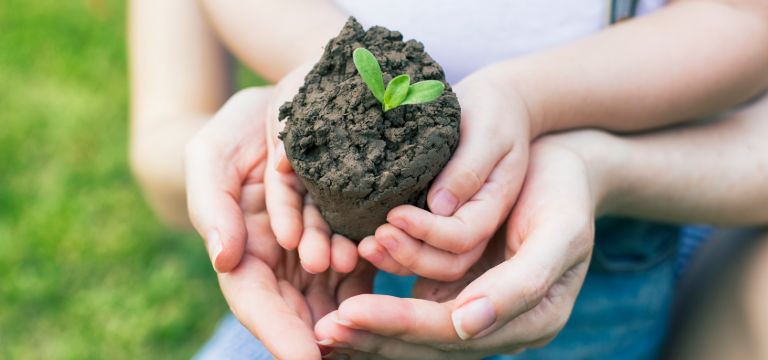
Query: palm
x,y
263,284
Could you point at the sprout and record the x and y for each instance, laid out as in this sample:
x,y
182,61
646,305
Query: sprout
x,y
399,91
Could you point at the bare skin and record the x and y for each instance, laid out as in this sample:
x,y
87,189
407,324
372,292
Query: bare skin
x,y
170,106
550,236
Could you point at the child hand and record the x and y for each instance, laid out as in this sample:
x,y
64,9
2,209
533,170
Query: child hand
x,y
295,220
471,196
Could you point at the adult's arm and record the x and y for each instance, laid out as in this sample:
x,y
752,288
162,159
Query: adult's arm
x,y
712,173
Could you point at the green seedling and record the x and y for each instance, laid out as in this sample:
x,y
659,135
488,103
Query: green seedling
x,y
399,91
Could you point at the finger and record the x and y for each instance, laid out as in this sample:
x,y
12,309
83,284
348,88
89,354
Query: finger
x,y
343,254
359,281
411,320
285,193
539,325
254,283
296,301
514,286
469,166
320,297
476,220
315,244
260,239
282,164
214,210
285,200
370,250
333,333
422,258
215,172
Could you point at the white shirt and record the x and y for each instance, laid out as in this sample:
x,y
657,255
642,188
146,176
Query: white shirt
x,y
465,35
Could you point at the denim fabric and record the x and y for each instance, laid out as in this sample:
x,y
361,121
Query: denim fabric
x,y
621,312
623,309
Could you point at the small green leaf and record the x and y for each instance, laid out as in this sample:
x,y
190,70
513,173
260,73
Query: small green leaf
x,y
370,71
397,90
424,91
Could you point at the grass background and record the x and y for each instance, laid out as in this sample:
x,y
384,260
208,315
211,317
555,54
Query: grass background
x,y
86,271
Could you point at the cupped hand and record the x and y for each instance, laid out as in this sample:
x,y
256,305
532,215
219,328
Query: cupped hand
x,y
521,302
469,199
263,284
296,221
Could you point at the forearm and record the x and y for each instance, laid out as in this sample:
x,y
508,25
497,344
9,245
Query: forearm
x,y
689,59
180,75
274,37
157,163
714,173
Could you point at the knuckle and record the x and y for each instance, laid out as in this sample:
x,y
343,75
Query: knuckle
x,y
533,292
452,273
408,259
466,179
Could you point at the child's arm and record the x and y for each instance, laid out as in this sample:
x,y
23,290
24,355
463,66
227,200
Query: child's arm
x,y
687,60
690,59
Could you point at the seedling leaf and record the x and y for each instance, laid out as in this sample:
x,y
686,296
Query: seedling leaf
x,y
424,91
370,71
397,90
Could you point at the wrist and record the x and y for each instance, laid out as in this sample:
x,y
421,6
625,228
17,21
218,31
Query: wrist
x,y
513,79
605,157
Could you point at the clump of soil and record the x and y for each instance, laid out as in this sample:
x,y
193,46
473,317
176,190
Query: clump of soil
x,y
356,161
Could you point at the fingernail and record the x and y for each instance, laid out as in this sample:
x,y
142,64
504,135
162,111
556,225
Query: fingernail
x,y
444,203
340,321
214,246
325,342
474,317
389,242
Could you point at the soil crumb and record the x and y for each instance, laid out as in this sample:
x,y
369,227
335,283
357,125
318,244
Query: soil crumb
x,y
356,161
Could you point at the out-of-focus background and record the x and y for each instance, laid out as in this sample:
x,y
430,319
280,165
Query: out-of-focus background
x,y
86,271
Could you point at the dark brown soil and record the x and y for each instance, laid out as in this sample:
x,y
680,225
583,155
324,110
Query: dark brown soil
x,y
356,161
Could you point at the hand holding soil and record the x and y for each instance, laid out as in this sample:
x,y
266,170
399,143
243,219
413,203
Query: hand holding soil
x,y
470,198
357,161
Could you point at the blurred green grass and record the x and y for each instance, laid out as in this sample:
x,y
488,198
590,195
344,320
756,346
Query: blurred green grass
x,y
86,271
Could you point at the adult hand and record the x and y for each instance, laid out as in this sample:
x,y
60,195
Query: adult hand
x,y
522,302
264,285
469,199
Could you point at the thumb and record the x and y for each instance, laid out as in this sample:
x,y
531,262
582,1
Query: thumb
x,y
509,289
213,210
281,159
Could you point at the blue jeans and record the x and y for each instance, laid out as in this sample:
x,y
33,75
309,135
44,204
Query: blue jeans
x,y
621,312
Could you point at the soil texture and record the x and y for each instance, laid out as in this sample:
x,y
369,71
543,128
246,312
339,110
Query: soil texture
x,y
356,161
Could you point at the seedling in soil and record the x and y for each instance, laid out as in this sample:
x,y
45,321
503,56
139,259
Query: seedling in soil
x,y
399,91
